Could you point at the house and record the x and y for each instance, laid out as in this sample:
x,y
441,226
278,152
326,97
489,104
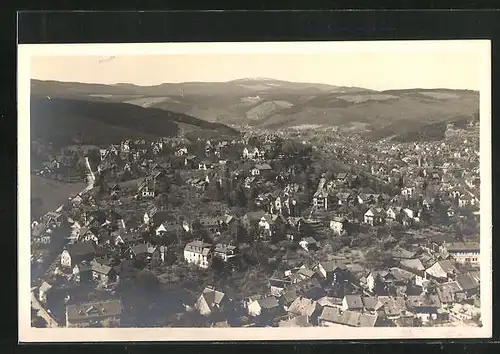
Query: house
x,y
147,188
330,302
394,214
262,168
210,224
126,238
447,292
150,213
171,228
344,198
263,306
226,252
371,304
334,317
425,307
82,273
103,273
320,199
309,243
258,219
181,152
443,270
299,321
352,302
465,312
463,252
76,253
374,216
198,253
416,267
339,224
308,308
380,282
411,214
210,300
43,292
278,282
94,314
407,192
342,177
252,153
468,284
334,271
393,307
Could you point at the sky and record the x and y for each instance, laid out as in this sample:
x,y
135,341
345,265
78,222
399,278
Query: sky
x,y
373,69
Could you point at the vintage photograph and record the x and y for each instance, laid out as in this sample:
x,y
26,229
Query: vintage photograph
x,y
263,191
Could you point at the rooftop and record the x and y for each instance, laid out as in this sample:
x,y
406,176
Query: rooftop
x,y
94,310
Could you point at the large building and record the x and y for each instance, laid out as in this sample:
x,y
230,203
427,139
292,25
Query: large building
x,y
463,252
199,253
94,314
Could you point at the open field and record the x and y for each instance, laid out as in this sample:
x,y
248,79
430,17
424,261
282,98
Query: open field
x,y
52,193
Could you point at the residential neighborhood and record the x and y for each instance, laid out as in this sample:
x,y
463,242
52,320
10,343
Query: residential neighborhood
x,y
281,228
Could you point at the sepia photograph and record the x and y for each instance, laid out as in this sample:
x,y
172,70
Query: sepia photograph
x,y
254,191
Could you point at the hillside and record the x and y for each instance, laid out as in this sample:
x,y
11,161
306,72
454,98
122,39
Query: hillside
x,y
276,104
63,121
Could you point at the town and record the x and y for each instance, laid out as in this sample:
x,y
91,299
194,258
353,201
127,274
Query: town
x,y
288,228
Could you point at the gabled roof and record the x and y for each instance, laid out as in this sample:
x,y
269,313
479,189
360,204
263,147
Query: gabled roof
x,y
269,302
212,297
303,306
348,318
354,301
329,301
393,306
419,301
81,249
100,268
447,266
306,272
462,247
141,248
371,303
198,247
467,282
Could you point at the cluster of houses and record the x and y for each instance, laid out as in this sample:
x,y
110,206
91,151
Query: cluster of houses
x,y
303,296
435,281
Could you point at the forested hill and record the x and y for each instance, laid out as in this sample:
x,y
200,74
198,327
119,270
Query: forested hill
x,y
64,121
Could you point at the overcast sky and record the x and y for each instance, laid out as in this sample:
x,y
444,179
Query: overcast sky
x,y
455,68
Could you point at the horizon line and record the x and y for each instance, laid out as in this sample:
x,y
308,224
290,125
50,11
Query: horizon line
x,y
249,79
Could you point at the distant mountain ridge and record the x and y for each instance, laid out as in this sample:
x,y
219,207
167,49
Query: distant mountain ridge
x,y
273,104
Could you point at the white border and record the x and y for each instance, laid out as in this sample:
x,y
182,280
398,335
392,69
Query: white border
x,y
28,334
